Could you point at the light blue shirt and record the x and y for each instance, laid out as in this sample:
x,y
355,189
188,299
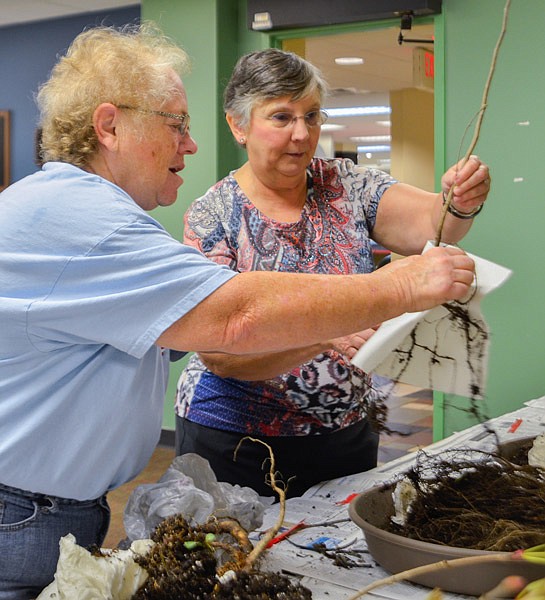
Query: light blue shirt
x,y
88,282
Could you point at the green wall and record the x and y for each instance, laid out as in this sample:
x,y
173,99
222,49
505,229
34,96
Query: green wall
x,y
510,230
214,34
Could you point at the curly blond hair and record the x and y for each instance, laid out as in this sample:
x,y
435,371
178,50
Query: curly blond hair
x,y
129,66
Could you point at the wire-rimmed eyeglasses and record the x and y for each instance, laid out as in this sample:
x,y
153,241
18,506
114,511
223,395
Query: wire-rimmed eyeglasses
x,y
314,118
184,119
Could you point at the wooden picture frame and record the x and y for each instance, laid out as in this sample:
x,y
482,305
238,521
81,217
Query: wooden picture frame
x,y
4,149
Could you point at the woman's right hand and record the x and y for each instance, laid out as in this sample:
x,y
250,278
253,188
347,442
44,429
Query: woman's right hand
x,y
438,275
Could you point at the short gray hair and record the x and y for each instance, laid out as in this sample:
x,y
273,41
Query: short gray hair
x,y
268,74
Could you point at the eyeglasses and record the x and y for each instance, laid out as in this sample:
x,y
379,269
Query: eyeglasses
x,y
183,127
314,118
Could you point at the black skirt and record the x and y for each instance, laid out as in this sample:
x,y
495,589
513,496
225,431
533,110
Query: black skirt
x,y
301,461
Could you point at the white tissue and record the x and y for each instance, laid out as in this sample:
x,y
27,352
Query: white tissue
x,y
448,367
536,454
82,576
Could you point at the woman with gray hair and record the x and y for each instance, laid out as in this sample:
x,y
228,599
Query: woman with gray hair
x,y
285,210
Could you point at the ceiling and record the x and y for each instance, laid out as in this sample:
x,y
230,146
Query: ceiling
x,y
387,64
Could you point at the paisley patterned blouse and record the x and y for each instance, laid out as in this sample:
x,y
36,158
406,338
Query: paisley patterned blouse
x,y
332,236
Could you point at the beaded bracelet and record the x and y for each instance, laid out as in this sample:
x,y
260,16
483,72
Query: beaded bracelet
x,y
461,215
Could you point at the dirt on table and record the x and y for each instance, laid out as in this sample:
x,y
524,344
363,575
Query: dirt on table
x,y
208,562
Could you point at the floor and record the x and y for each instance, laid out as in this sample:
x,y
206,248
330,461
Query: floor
x,y
409,413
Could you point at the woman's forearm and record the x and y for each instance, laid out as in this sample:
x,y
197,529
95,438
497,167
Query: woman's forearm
x,y
257,367
257,312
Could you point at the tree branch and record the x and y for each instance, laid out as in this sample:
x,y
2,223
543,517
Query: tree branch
x,y
480,117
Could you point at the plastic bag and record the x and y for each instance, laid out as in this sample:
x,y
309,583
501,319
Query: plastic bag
x,y
190,487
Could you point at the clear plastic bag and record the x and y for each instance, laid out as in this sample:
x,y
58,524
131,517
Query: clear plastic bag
x,y
190,487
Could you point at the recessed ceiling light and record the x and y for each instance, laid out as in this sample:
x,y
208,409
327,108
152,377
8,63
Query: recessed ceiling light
x,y
371,138
363,149
349,60
332,127
347,91
358,111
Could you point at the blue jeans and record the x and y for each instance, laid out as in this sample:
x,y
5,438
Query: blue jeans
x,y
31,526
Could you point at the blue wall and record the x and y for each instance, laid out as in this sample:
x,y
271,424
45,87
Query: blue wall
x,y
27,54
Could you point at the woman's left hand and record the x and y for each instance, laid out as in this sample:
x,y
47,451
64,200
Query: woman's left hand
x,y
471,184
349,345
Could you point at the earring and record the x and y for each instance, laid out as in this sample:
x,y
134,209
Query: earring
x,y
242,140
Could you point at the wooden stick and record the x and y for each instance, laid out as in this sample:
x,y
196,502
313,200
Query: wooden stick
x,y
437,566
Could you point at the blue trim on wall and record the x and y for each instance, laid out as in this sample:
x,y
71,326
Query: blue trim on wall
x,y
28,52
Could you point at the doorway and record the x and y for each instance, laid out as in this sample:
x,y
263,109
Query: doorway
x,y
390,84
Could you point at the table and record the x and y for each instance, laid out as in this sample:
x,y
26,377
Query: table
x,y
328,502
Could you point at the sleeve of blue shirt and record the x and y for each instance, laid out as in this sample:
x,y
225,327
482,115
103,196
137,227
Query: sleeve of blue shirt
x,y
103,270
134,286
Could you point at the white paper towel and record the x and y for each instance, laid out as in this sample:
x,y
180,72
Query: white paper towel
x,y
433,348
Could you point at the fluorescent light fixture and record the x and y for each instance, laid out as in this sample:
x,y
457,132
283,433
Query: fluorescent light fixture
x,y
358,111
332,127
384,123
349,60
363,149
371,138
